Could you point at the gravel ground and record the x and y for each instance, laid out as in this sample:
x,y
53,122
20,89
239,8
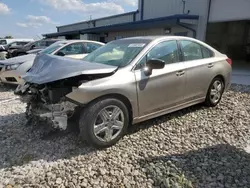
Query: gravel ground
x,y
194,147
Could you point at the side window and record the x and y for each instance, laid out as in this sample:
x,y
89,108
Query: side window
x,y
166,51
90,47
191,50
206,52
13,44
19,43
37,44
3,42
72,49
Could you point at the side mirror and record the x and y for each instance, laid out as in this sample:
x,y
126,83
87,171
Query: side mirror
x,y
153,64
60,54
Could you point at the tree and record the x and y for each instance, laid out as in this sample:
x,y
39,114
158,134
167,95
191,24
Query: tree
x,y
8,37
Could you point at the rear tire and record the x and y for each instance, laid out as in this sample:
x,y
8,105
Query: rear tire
x,y
101,119
215,92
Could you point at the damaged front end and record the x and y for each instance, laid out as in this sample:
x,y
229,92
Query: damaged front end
x,y
46,89
47,104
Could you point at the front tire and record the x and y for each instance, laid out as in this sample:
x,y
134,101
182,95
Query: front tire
x,y
104,122
215,92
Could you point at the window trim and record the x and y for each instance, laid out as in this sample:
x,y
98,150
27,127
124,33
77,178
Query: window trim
x,y
146,53
182,54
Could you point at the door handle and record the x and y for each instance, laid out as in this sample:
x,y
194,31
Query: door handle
x,y
210,65
180,73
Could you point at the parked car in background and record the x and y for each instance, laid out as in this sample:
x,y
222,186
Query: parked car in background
x,y
4,42
10,46
14,45
41,44
13,68
125,82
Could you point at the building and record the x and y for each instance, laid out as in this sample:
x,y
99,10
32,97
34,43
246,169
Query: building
x,y
223,24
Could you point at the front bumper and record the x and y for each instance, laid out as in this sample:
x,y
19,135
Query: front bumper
x,y
56,115
10,77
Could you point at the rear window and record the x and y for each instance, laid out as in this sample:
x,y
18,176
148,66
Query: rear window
x,y
194,51
3,42
191,50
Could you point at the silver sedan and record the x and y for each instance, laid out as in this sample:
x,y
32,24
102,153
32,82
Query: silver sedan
x,y
126,82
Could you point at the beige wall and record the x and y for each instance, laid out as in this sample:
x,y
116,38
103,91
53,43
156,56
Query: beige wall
x,y
145,32
229,10
162,8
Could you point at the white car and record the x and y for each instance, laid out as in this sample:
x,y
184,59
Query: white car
x,y
12,69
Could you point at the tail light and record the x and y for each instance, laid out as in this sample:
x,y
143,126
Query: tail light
x,y
230,61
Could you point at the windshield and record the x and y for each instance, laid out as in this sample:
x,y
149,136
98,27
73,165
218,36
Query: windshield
x,y
3,42
52,48
118,53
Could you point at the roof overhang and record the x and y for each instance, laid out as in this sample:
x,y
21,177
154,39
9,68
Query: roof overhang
x,y
144,24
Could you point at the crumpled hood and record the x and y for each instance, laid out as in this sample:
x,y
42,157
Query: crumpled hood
x,y
19,59
49,68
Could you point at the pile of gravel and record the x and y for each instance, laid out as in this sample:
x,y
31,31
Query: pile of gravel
x,y
194,147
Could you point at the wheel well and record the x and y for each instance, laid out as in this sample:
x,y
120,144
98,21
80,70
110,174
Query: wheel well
x,y
221,77
122,98
218,76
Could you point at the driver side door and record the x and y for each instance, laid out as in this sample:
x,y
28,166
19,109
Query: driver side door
x,y
164,88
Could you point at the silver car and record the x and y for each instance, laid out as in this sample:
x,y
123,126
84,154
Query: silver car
x,y
125,82
13,68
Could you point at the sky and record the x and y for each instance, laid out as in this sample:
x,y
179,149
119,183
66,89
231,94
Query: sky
x,y
31,18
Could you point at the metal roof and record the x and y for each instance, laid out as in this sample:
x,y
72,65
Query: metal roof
x,y
156,22
103,18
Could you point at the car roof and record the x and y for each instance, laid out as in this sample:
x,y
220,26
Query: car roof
x,y
73,41
152,38
51,39
159,38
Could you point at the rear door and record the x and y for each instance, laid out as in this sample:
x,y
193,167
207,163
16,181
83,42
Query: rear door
x,y
199,68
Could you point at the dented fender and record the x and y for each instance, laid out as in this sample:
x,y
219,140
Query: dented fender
x,y
91,90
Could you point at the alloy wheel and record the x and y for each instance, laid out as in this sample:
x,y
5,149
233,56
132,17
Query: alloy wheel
x,y
216,91
108,123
